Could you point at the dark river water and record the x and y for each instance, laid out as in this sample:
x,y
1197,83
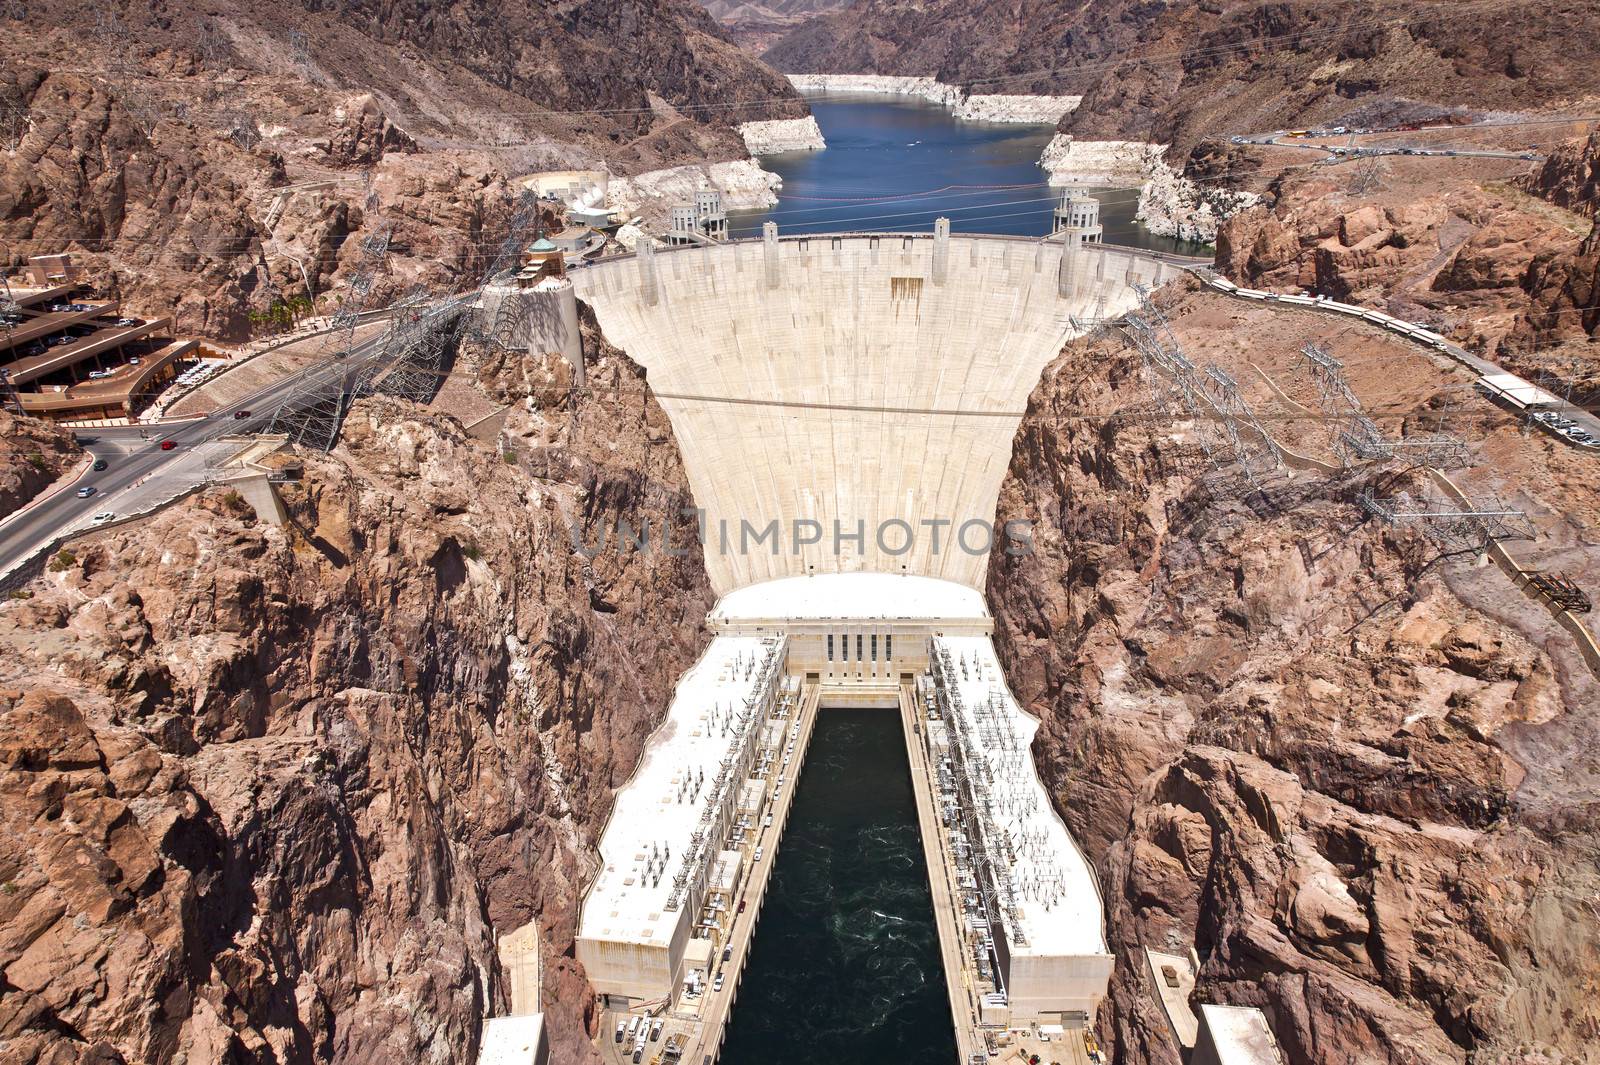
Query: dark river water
x,y
895,164
845,968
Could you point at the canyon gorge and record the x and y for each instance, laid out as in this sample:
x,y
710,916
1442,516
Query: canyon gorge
x,y
278,793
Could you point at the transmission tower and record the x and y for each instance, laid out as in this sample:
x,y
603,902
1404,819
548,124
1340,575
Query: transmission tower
x,y
1455,526
313,417
1359,438
299,49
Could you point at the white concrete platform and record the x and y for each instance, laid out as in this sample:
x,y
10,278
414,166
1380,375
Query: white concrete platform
x,y
670,818
855,596
514,1041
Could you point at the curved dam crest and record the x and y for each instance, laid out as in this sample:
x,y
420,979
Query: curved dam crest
x,y
851,382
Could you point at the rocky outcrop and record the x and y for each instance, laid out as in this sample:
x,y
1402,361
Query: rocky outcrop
x,y
157,146
1014,108
782,135
743,184
1173,205
979,107
929,89
271,794
1492,267
1570,176
1179,73
33,454
1285,742
364,134
758,25
1101,164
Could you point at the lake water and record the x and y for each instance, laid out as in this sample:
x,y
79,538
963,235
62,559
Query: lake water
x,y
845,967
895,164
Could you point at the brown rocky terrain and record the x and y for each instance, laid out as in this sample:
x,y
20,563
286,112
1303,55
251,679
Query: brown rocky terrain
x,y
151,141
758,26
1184,72
1508,268
271,794
1354,772
33,454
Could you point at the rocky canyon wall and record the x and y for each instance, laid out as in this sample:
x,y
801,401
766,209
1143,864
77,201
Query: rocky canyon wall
x,y
1287,742
211,163
33,454
271,794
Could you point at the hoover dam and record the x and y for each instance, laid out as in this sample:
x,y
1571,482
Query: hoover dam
x,y
845,406
851,386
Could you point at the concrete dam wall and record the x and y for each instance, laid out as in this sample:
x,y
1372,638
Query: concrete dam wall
x,y
868,385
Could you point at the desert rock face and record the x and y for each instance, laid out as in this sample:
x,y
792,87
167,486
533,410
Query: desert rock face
x,y
156,145
33,453
270,794
1286,741
1179,73
1496,268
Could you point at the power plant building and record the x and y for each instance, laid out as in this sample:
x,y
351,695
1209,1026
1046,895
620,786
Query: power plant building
x,y
1031,891
662,849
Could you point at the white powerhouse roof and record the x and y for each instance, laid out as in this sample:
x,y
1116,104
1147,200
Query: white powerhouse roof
x,y
857,596
1055,890
659,809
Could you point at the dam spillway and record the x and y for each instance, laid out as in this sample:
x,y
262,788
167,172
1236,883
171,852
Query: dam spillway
x,y
851,382
835,384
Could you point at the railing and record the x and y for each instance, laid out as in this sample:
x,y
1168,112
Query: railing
x,y
806,238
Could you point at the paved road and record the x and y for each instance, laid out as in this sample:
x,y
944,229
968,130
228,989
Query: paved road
x,y
132,460
1341,153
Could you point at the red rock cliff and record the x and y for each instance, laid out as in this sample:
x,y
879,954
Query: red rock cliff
x,y
269,794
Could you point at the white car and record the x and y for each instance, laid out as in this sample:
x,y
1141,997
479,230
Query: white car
x,y
717,986
103,517
758,855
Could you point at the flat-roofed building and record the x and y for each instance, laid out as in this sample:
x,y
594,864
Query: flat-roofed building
x,y
662,852
1031,889
861,635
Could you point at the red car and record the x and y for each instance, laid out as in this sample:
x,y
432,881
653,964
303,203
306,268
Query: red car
x,y
168,445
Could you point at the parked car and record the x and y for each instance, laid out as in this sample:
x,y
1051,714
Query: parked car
x,y
717,984
125,322
168,445
100,464
86,491
655,1030
103,517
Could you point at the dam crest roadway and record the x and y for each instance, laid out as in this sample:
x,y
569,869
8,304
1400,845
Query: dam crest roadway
x,y
858,379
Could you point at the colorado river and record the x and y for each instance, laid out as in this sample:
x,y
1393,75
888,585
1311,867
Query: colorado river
x,y
896,164
845,967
